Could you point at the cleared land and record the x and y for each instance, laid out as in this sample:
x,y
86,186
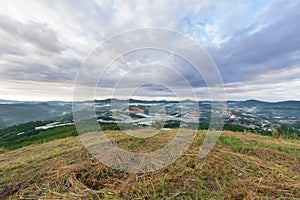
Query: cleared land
x,y
241,166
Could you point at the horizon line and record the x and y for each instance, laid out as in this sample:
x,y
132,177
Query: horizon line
x,y
120,99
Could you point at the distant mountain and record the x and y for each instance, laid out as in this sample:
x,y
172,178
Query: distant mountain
x,y
15,112
133,101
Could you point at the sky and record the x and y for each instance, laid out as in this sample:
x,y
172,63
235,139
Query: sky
x,y
254,44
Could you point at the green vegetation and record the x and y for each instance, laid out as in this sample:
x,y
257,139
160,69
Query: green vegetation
x,y
21,135
10,132
244,146
14,134
37,137
157,124
283,131
9,138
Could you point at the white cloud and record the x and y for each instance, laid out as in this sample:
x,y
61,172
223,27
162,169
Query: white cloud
x,y
44,42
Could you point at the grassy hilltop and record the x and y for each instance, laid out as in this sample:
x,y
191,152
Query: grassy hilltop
x,y
241,166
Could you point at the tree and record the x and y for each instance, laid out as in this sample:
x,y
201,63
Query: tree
x,y
157,124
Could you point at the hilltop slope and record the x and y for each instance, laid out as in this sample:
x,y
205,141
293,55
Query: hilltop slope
x,y
240,166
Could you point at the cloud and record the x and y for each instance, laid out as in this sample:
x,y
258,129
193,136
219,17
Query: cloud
x,y
255,44
32,34
258,49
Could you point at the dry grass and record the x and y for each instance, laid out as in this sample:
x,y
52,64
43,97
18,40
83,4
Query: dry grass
x,y
63,169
